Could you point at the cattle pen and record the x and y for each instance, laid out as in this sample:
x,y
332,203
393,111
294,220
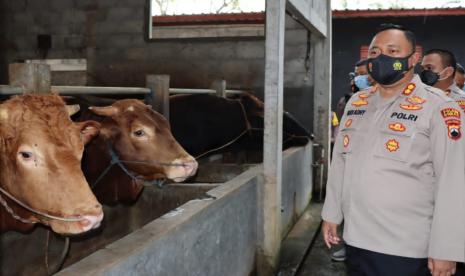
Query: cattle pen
x,y
230,219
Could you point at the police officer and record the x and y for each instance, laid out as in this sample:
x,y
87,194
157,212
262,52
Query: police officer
x,y
395,179
439,69
460,77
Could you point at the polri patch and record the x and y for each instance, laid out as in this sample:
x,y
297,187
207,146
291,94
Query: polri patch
x,y
404,116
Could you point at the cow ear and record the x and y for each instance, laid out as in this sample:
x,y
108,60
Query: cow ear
x,y
89,130
107,111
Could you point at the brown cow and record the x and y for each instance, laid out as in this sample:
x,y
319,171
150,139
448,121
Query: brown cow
x,y
40,160
141,140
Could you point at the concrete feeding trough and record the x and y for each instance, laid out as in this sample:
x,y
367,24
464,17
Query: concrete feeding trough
x,y
204,228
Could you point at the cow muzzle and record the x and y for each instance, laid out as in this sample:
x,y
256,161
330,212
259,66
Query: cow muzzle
x,y
182,169
89,221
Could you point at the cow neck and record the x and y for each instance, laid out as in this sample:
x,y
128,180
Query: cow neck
x,y
115,160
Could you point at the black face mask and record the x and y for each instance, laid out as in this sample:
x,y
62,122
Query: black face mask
x,y
388,70
429,77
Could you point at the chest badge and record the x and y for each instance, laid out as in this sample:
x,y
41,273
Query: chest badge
x,y
416,100
392,145
348,123
397,127
409,89
359,103
410,106
346,141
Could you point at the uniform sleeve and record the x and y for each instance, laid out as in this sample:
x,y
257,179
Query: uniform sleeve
x,y
447,239
332,208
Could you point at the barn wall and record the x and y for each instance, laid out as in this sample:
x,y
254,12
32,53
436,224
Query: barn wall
x,y
110,34
296,190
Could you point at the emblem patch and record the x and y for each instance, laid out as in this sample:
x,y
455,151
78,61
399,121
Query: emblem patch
x,y
450,113
392,145
359,103
348,123
416,100
345,141
397,66
409,89
453,129
461,104
410,106
397,127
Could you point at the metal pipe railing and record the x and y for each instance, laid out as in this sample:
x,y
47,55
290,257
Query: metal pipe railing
x,y
72,90
99,90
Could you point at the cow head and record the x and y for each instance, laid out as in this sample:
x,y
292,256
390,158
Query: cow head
x,y
140,134
40,159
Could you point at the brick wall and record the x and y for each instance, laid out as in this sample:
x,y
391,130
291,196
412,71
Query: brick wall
x,y
111,35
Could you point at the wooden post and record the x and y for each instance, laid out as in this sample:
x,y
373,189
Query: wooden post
x,y
322,93
160,96
270,194
32,77
220,87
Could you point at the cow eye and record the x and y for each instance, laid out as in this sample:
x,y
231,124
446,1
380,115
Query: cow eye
x,y
139,133
26,155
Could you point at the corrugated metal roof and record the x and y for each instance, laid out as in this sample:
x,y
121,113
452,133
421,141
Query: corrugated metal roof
x,y
198,19
398,12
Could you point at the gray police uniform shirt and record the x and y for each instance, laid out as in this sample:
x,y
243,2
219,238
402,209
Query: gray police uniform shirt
x,y
397,174
457,94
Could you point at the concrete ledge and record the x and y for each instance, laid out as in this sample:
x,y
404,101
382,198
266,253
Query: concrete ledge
x,y
201,237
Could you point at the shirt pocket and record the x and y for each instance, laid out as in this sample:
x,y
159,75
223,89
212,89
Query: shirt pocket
x,y
394,142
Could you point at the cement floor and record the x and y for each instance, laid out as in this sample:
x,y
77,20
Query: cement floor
x,y
318,262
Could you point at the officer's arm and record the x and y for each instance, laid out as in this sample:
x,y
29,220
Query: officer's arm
x,y
332,208
447,240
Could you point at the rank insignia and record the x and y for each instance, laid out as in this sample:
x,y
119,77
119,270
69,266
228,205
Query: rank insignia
x,y
392,145
359,103
348,123
345,141
416,100
450,113
363,95
453,129
410,106
409,89
397,127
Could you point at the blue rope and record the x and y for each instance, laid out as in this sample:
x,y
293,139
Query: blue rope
x,y
115,160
